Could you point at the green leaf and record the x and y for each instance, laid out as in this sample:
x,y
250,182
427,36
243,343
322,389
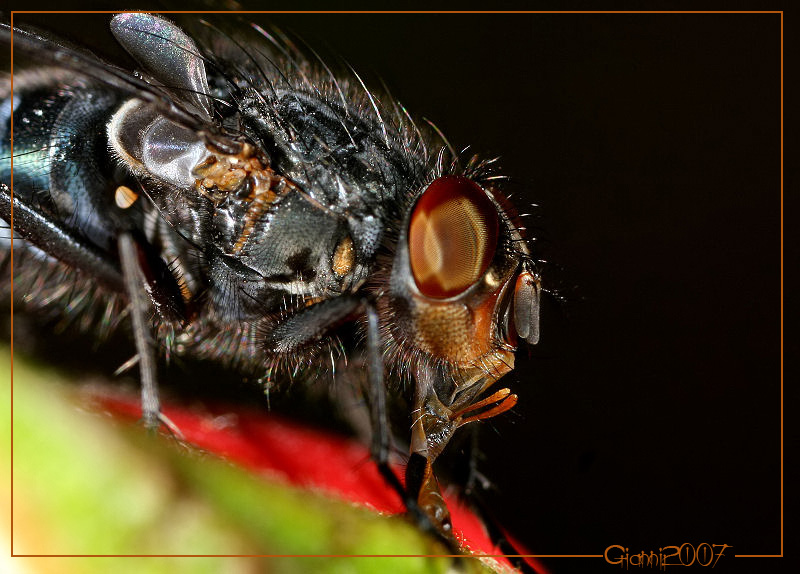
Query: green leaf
x,y
85,483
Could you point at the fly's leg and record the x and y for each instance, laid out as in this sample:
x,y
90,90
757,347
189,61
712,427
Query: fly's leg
x,y
307,326
380,446
498,536
139,306
474,484
147,280
137,268
423,490
421,485
421,495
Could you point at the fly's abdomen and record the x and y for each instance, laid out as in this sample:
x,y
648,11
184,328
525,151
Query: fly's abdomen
x,y
62,166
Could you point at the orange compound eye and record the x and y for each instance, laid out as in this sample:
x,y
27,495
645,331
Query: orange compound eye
x,y
452,236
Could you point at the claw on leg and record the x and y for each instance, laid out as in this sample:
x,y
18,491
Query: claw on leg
x,y
423,492
432,502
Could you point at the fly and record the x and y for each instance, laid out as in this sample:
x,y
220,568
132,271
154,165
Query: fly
x,y
233,200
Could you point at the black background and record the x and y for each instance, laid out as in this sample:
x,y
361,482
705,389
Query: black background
x,y
650,412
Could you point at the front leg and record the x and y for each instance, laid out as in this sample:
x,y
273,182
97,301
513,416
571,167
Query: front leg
x,y
308,325
430,431
421,495
434,424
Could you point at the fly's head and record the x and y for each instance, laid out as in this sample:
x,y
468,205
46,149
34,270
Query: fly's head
x,y
463,290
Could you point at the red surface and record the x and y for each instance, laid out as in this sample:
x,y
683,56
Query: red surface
x,y
304,457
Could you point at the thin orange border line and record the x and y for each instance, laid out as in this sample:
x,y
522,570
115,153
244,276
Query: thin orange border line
x,y
11,124
400,11
369,12
781,554
307,556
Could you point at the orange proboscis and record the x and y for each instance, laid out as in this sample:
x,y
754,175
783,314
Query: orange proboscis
x,y
503,398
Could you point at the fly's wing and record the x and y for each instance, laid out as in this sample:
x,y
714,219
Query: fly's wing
x,y
46,50
71,199
61,105
169,56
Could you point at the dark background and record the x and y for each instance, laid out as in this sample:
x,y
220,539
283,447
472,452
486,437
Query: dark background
x,y
650,412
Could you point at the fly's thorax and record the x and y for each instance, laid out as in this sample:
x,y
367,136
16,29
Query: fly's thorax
x,y
270,225
263,235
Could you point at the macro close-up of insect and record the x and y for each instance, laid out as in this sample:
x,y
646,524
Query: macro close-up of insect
x,y
311,254
235,201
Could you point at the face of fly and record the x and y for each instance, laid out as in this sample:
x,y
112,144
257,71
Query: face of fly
x,y
463,290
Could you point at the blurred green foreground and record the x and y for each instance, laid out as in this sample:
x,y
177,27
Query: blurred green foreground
x,y
86,484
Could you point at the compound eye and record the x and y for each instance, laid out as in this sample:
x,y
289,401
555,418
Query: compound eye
x,y
452,236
